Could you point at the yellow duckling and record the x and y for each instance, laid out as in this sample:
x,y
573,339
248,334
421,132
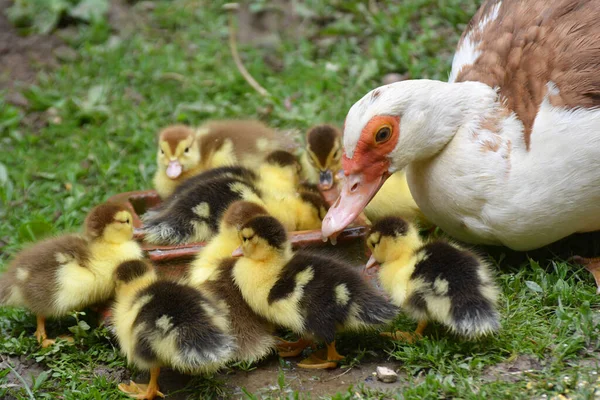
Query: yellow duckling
x,y
184,152
436,281
312,295
283,195
205,264
70,272
161,323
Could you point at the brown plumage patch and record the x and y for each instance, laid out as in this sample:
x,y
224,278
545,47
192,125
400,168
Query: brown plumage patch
x,y
240,212
39,265
174,134
282,158
314,199
244,134
321,140
101,216
252,332
531,43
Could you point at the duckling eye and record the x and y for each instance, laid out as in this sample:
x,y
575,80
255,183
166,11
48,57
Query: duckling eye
x,y
127,221
187,150
338,154
162,151
383,135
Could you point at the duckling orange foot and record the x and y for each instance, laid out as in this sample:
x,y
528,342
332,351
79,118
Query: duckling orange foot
x,y
141,391
592,265
408,337
292,349
49,342
322,359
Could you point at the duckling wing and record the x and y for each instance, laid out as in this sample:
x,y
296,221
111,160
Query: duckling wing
x,y
193,214
453,286
330,295
179,327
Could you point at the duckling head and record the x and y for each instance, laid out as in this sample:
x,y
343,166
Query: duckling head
x,y
130,272
263,238
281,167
111,222
178,150
390,239
324,147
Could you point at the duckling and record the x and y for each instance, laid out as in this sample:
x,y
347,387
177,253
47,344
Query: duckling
x,y
322,157
184,152
280,186
323,154
162,323
310,294
193,212
70,272
254,334
225,242
436,281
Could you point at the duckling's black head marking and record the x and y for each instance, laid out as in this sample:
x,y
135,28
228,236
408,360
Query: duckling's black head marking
x,y
241,211
269,229
129,270
101,216
282,158
391,226
321,139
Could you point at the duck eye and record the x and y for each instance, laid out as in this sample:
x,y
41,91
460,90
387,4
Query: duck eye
x,y
383,135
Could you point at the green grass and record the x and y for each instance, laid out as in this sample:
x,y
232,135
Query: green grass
x,y
105,107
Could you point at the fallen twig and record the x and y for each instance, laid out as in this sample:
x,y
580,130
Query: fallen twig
x,y
231,8
339,376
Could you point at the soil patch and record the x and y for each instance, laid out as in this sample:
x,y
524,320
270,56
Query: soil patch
x,y
21,57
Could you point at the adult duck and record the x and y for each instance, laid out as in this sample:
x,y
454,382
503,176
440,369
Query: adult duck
x,y
507,152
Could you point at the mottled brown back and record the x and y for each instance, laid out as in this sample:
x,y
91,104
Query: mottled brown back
x,y
245,133
533,42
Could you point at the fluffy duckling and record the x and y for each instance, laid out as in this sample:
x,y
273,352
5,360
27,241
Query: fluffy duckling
x,y
322,158
193,212
57,276
224,243
254,335
162,323
285,198
435,281
310,294
184,152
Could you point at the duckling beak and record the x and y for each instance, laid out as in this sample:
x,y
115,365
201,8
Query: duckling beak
x,y
371,263
174,169
325,180
238,252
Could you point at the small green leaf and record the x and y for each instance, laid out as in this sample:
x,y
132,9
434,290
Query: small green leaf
x,y
90,10
40,379
534,286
